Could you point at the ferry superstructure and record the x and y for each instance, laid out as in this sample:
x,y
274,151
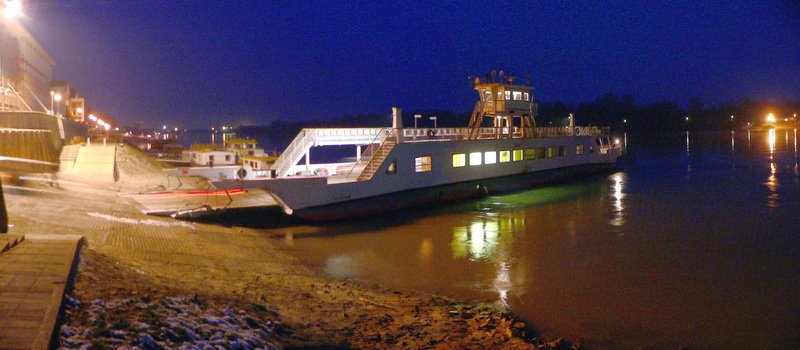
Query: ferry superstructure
x,y
501,150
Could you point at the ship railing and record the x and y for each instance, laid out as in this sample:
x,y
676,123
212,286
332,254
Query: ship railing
x,y
294,152
447,134
369,153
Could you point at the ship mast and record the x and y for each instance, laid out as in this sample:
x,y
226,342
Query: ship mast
x,y
509,108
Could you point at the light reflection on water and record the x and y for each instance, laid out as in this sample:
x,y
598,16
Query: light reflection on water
x,y
645,257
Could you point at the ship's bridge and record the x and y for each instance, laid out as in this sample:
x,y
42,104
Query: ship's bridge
x,y
506,104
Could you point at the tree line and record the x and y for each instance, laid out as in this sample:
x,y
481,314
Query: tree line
x,y
618,112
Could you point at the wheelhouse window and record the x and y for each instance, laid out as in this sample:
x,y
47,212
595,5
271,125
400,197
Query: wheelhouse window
x,y
508,95
578,149
422,164
505,156
490,157
459,160
517,95
517,155
526,96
475,158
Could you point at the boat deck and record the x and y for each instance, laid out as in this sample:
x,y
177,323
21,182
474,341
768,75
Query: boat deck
x,y
169,203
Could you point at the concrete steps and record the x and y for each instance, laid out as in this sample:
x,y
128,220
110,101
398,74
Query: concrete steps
x,y
68,156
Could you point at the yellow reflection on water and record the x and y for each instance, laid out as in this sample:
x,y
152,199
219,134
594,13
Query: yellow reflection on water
x,y
772,180
426,250
771,141
489,238
617,182
502,282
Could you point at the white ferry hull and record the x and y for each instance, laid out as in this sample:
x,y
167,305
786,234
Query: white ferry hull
x,y
321,198
444,194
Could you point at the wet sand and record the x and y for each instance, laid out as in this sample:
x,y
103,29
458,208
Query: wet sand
x,y
135,269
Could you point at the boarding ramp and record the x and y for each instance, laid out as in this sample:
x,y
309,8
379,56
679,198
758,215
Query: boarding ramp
x,y
308,138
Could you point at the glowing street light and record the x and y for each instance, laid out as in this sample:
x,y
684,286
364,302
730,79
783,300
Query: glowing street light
x,y
13,8
57,97
434,122
770,118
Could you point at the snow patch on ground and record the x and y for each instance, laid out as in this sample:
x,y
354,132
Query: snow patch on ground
x,y
132,221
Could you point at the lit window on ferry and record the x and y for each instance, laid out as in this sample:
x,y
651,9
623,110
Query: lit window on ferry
x,y
517,95
459,160
517,155
499,95
422,164
490,157
475,158
488,95
508,95
540,152
579,149
530,154
551,152
526,96
562,151
505,156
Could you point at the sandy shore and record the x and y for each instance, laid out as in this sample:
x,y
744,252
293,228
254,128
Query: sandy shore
x,y
149,282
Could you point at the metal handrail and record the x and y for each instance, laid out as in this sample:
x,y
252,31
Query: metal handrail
x,y
363,154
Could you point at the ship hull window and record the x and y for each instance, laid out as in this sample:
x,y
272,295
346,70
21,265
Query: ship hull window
x,y
505,156
422,164
490,157
517,155
459,160
475,158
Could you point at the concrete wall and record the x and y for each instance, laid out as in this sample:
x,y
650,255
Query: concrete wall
x,y
60,130
34,136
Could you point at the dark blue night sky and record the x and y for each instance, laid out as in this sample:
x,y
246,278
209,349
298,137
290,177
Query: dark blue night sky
x,y
197,63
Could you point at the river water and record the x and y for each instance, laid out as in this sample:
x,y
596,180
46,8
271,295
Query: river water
x,y
695,241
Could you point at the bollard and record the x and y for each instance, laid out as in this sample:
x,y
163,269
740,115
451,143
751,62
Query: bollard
x,y
3,214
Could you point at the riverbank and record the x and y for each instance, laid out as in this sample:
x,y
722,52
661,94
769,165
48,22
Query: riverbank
x,y
151,282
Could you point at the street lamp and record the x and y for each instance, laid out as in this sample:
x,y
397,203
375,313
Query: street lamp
x,y
52,93
12,9
416,117
57,97
434,122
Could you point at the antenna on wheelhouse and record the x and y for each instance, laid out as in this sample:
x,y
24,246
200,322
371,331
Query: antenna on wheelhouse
x,y
510,107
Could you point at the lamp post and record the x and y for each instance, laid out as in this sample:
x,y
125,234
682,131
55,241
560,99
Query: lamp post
x,y
11,9
434,122
57,97
52,93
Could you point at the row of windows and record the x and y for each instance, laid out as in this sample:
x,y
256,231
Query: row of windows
x,y
491,157
424,163
509,95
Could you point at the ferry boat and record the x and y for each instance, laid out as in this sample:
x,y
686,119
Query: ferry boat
x,y
501,150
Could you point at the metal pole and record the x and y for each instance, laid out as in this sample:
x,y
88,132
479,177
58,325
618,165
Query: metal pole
x,y
3,214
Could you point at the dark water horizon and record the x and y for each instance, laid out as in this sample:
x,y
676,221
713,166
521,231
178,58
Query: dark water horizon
x,y
695,241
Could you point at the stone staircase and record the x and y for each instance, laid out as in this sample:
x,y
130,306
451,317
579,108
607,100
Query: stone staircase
x,y
68,156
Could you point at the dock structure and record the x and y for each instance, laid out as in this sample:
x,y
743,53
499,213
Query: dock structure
x,y
34,274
